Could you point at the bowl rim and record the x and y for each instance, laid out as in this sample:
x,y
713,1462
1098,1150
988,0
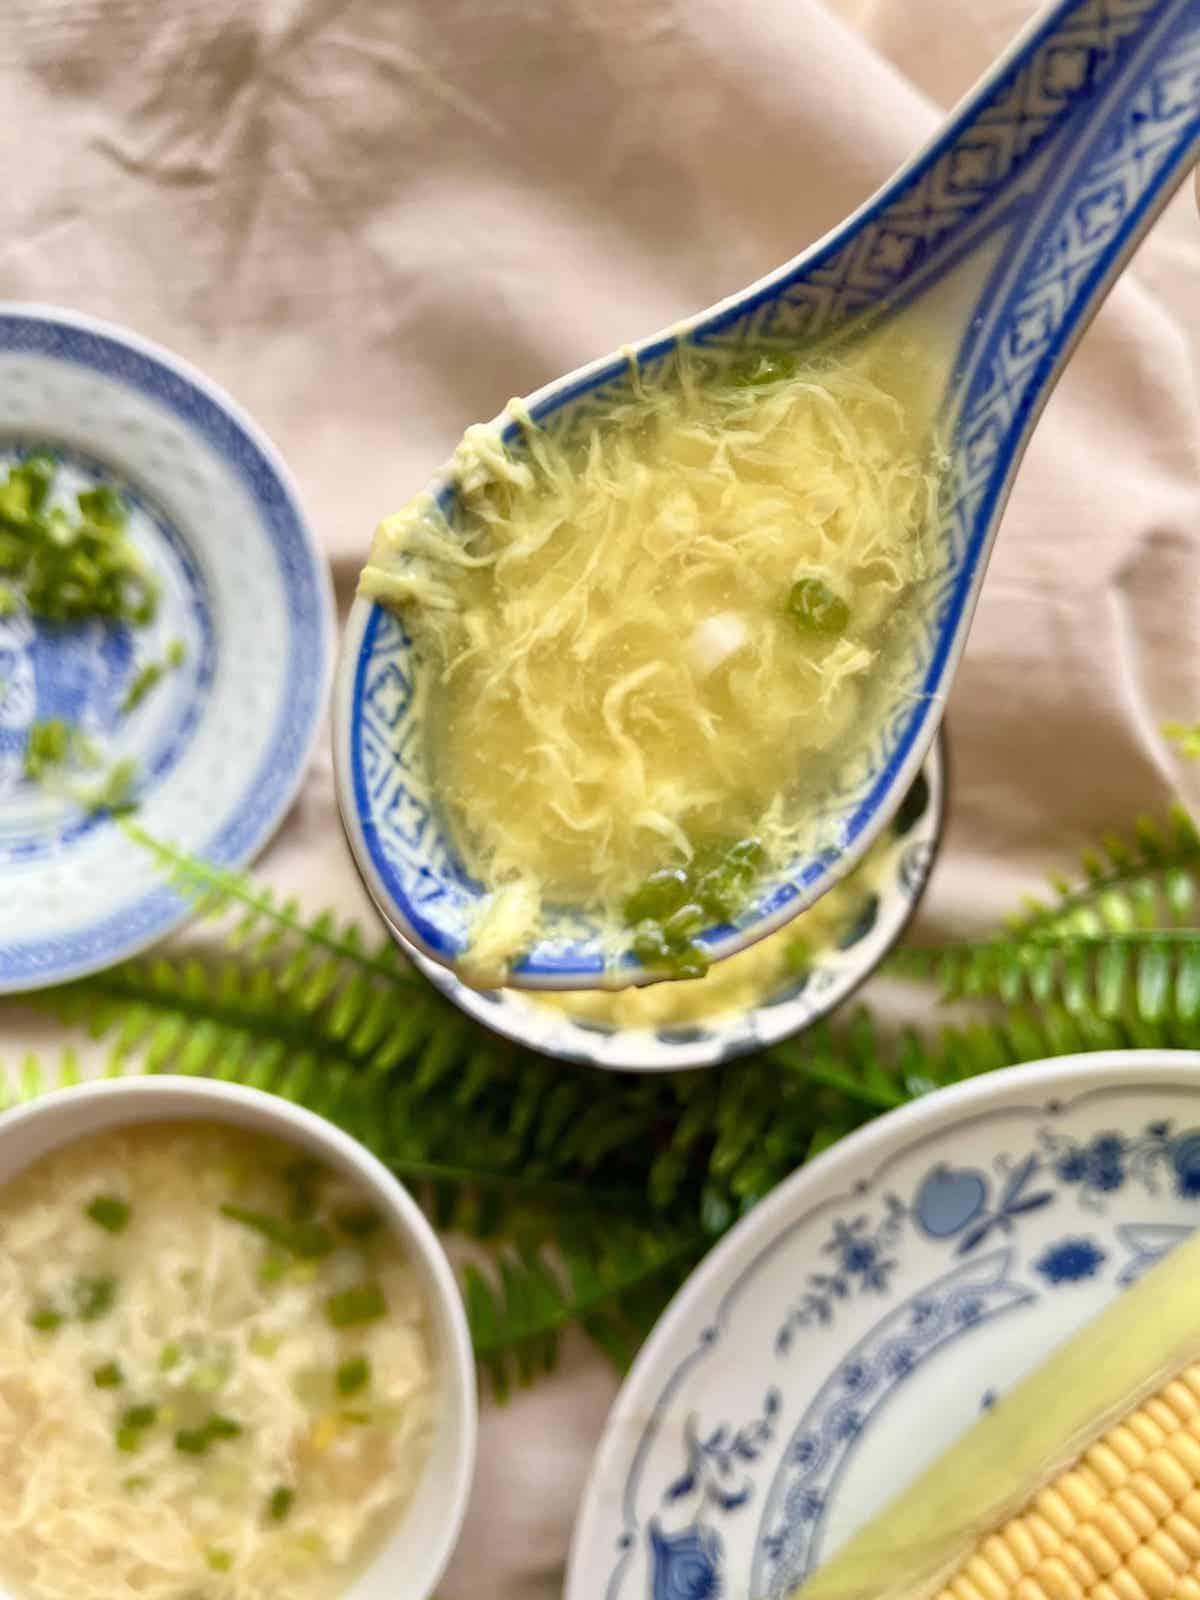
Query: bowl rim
x,y
727,1038
181,370
156,1094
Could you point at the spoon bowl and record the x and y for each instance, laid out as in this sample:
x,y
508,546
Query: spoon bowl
x,y
997,244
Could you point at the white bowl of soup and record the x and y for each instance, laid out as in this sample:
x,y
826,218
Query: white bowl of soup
x,y
234,1363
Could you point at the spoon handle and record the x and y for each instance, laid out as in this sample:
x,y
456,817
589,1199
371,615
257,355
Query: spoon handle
x,y
1058,160
1123,81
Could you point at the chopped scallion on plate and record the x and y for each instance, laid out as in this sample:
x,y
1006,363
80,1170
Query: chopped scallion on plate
x,y
109,1213
281,1503
365,1302
353,1375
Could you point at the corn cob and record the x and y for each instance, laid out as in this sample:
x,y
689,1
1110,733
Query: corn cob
x,y
1082,1484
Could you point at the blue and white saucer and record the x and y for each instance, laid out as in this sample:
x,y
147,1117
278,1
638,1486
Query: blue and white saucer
x,y
221,744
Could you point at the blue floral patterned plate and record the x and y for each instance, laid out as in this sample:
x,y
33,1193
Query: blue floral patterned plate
x,y
844,1333
221,744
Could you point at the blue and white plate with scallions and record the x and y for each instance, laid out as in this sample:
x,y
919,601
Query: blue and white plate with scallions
x,y
200,711
862,1316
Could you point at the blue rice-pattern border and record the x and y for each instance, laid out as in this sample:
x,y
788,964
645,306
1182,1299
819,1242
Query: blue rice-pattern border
x,y
309,603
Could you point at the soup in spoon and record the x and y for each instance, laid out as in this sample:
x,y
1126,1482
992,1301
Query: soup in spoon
x,y
654,641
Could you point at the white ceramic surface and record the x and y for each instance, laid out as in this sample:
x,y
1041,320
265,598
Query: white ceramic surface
x,y
411,1563
864,1313
221,744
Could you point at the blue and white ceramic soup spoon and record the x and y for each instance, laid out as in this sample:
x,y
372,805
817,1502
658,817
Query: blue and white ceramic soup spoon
x,y
1005,235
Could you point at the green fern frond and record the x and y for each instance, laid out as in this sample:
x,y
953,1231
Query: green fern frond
x,y
463,1116
614,1282
1185,736
911,1065
592,1192
181,1016
31,1078
375,1024
1145,879
1142,975
265,925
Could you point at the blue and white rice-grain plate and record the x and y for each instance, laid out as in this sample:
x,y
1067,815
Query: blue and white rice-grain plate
x,y
867,1312
221,744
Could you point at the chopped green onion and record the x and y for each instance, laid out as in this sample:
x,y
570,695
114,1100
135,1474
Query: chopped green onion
x,y
815,608
681,957
136,1482
717,894
689,962
151,673
133,1424
650,944
46,747
147,677
109,1376
281,1503
263,1344
353,1375
674,903
680,927
272,1269
303,1177
662,893
364,1303
359,1419
209,1376
8,601
24,492
71,566
94,1297
306,1239
102,506
170,1356
46,1319
196,1441
724,873
109,1213
218,1560
114,792
360,1222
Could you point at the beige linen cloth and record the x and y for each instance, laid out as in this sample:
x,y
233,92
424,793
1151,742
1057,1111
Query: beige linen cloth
x,y
376,220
